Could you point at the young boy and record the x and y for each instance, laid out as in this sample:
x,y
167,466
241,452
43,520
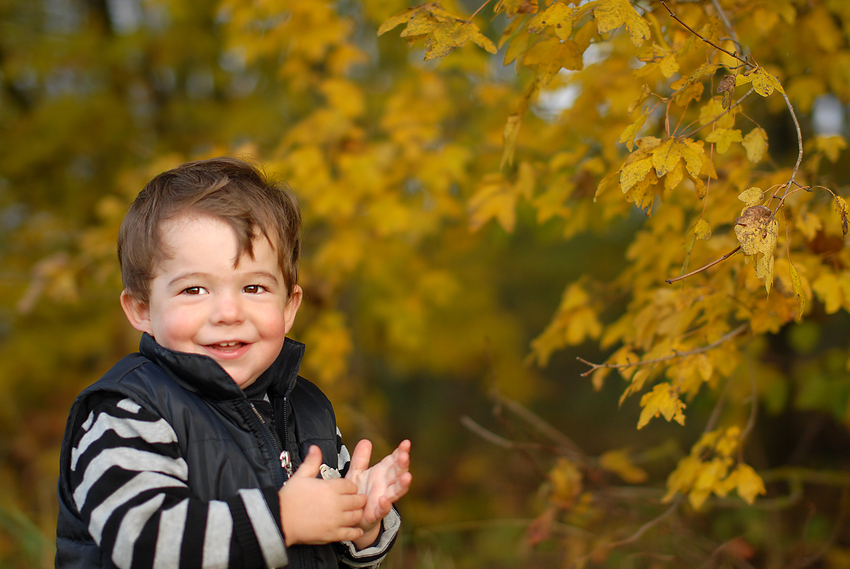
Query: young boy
x,y
206,449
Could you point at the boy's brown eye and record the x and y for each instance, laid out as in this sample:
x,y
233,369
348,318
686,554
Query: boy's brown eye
x,y
193,290
253,288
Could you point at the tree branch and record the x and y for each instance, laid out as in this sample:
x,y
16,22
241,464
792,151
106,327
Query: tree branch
x,y
708,266
712,44
725,338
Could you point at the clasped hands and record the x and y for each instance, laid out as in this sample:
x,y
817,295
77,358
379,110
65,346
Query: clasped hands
x,y
314,510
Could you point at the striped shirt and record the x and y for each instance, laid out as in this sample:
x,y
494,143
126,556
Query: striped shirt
x,y
130,485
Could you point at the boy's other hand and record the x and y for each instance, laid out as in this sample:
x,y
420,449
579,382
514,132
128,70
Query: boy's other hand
x,y
382,484
314,510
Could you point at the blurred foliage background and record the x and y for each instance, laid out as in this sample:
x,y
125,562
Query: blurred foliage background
x,y
419,312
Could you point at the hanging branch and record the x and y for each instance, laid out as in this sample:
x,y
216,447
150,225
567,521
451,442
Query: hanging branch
x,y
675,355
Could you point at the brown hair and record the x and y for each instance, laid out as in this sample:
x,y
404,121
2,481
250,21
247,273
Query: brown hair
x,y
226,188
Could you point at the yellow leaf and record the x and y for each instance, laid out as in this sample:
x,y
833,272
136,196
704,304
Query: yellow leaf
x,y
634,172
662,400
559,16
841,208
611,14
749,484
763,82
495,199
724,137
442,31
566,481
513,7
674,177
693,153
828,289
631,131
751,196
809,224
668,65
549,56
681,480
831,146
619,462
666,157
713,110
798,290
756,144
511,134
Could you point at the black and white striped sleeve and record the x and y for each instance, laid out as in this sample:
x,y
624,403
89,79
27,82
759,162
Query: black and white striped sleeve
x,y
130,485
372,556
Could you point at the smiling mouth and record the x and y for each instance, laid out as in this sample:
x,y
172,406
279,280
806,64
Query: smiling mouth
x,y
226,345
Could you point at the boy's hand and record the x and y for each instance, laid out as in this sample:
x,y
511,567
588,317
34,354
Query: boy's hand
x,y
382,484
316,511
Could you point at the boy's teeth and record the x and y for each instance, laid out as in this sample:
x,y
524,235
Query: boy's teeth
x,y
227,344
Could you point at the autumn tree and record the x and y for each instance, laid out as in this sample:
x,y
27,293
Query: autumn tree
x,y
443,189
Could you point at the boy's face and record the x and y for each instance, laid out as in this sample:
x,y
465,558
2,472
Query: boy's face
x,y
201,304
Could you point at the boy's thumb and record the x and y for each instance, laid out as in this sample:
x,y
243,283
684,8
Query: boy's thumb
x,y
311,465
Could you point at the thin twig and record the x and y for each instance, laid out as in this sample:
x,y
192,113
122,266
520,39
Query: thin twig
x,y
635,536
701,350
709,42
481,7
492,437
715,119
708,266
722,15
799,153
540,424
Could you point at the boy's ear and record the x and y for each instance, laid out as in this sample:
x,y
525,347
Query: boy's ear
x,y
292,305
138,313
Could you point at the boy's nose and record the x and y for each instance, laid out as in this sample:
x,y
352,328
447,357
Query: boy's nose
x,y
228,310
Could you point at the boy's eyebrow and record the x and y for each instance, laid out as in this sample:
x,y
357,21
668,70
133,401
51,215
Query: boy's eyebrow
x,y
253,274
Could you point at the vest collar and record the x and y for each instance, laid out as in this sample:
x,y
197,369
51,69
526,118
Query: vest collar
x,y
201,374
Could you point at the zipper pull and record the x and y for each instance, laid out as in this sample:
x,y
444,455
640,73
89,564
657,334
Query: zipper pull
x,y
286,463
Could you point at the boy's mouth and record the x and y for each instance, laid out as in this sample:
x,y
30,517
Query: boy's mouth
x,y
227,347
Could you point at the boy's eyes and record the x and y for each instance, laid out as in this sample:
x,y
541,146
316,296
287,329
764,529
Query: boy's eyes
x,y
194,290
250,289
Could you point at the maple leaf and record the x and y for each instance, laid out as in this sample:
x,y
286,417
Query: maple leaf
x,y
751,196
841,208
756,144
757,231
513,7
666,156
549,56
441,30
749,484
618,462
727,88
831,146
510,135
611,14
631,131
724,137
662,400
634,172
559,16
797,284
763,82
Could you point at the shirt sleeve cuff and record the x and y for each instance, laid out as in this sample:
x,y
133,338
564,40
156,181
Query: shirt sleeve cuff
x,y
374,553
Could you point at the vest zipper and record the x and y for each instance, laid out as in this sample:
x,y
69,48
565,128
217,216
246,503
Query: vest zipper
x,y
283,456
285,459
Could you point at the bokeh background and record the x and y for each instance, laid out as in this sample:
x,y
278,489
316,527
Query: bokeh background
x,y
419,314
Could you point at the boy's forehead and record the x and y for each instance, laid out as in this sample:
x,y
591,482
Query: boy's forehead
x,y
179,232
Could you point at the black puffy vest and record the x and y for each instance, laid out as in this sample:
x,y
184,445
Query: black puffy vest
x,y
225,445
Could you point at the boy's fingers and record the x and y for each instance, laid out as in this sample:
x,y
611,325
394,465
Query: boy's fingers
x,y
361,456
352,502
311,465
